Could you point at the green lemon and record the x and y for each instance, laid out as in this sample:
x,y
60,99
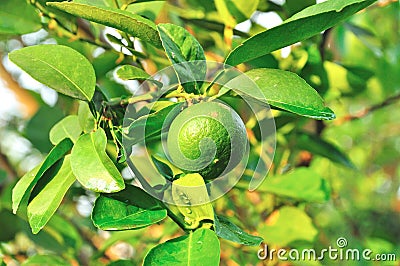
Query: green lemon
x,y
208,138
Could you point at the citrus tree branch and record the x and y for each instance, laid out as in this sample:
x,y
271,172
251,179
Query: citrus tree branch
x,y
7,166
389,101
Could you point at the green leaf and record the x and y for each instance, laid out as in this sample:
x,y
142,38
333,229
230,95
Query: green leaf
x,y
163,168
45,260
67,21
45,179
294,6
18,17
38,127
120,263
300,184
288,225
284,90
44,205
228,230
131,208
240,10
58,236
10,225
67,233
195,249
319,146
181,47
223,12
190,196
149,9
211,25
129,72
85,117
3,176
125,21
59,67
24,186
112,89
191,207
150,126
99,3
68,127
92,166
106,62
303,25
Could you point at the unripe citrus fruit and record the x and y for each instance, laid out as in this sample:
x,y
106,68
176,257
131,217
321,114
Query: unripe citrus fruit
x,y
208,138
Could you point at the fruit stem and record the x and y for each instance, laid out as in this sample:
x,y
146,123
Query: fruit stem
x,y
134,99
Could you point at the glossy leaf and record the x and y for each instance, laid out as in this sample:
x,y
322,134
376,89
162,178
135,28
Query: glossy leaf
x,y
106,62
300,184
190,196
195,249
319,146
120,263
85,117
68,127
112,89
303,25
10,225
163,168
181,47
188,202
239,10
44,205
284,90
38,127
242,9
294,6
92,166
59,67
148,9
67,233
150,126
57,236
18,17
131,208
99,3
3,176
228,230
24,186
287,225
68,21
129,72
125,21
223,12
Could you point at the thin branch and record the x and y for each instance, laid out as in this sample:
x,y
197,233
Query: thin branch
x,y
65,31
389,101
323,44
319,124
7,166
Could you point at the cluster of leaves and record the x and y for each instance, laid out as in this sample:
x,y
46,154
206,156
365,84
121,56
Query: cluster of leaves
x,y
86,147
